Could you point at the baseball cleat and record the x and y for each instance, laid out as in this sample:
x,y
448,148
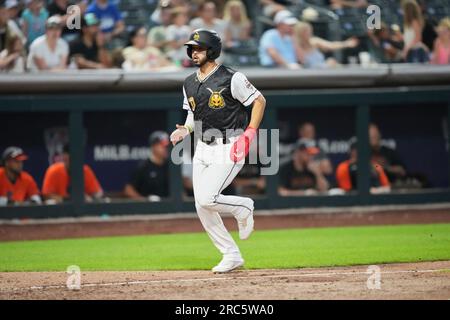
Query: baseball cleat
x,y
228,264
246,226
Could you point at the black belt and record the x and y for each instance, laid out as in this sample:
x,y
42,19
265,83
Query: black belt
x,y
212,140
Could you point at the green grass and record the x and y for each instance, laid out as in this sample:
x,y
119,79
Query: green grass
x,y
291,248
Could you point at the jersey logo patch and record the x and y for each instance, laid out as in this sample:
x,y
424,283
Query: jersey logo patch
x,y
216,100
192,103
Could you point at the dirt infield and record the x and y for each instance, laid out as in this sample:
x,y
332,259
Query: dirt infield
x,y
427,280
131,225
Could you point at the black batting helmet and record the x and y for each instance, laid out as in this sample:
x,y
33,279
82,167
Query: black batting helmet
x,y
208,39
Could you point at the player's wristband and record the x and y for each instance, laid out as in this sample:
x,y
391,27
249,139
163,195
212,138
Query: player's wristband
x,y
188,128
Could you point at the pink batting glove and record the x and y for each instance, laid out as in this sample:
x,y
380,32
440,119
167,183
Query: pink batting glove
x,y
241,146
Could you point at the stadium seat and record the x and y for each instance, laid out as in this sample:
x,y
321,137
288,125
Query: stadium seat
x,y
438,8
351,22
137,12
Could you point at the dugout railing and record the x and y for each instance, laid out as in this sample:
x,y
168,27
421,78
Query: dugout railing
x,y
361,89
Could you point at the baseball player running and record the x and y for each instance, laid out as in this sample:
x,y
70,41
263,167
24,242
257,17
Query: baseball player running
x,y
216,99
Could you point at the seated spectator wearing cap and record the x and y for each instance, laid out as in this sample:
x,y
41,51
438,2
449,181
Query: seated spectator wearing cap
x,y
150,180
111,21
33,20
13,10
276,46
346,174
8,26
56,187
89,50
10,55
16,185
140,56
61,8
302,176
49,52
310,48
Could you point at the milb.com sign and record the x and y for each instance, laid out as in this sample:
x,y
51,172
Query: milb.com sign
x,y
120,153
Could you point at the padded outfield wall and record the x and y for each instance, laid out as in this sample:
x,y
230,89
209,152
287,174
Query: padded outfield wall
x,y
108,116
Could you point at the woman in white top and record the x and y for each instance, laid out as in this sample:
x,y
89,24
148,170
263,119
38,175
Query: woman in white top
x,y
49,51
414,49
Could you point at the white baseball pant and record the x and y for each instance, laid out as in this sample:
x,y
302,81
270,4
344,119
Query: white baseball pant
x,y
213,171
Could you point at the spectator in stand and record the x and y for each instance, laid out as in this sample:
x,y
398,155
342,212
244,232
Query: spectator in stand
x,y
157,36
49,52
13,10
309,48
8,28
12,54
56,187
238,25
177,35
414,51
208,19
339,4
441,49
156,17
33,20
346,174
302,176
272,7
111,21
141,56
61,8
387,44
89,50
12,58
429,34
16,185
276,47
150,179
307,134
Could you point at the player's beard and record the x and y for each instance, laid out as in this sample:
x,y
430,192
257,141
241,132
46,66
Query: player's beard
x,y
200,62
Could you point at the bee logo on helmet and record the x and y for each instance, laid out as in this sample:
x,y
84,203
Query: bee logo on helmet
x,y
216,100
208,39
196,36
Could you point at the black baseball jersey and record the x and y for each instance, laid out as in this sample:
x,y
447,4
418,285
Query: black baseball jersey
x,y
219,100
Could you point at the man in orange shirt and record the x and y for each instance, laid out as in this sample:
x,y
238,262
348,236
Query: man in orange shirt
x,y
346,174
56,186
16,185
